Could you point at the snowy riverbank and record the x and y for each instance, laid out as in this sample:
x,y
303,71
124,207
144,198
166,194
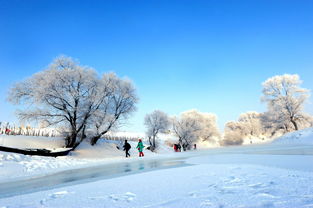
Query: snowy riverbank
x,y
273,175
200,185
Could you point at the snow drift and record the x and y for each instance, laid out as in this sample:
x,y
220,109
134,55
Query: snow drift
x,y
301,137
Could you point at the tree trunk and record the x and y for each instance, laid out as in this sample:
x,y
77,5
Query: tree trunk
x,y
151,144
150,141
83,135
71,140
181,144
95,139
294,124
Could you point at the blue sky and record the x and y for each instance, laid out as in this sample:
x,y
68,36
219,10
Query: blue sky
x,y
210,55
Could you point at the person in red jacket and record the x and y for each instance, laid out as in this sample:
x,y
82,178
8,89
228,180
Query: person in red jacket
x,y
7,131
175,147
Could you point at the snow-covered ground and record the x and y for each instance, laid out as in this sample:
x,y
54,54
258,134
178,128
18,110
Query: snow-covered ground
x,y
303,137
16,166
31,141
257,176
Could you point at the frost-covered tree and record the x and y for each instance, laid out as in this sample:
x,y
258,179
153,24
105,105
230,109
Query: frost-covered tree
x,y
156,122
275,123
251,123
233,134
115,107
194,125
285,99
69,94
60,94
207,123
186,129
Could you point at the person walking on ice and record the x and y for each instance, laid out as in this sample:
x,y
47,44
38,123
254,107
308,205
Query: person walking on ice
x,y
140,148
127,148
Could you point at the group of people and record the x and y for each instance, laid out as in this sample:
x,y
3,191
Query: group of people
x,y
140,147
177,147
7,131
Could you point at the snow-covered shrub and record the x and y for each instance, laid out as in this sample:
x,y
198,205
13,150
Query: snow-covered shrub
x,y
232,138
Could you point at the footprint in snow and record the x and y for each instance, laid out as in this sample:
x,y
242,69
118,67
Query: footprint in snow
x,y
193,194
235,168
271,183
58,194
113,197
228,190
128,196
257,185
53,196
293,175
232,179
267,204
96,197
267,195
206,203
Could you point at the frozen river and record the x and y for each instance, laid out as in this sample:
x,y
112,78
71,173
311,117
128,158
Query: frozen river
x,y
84,175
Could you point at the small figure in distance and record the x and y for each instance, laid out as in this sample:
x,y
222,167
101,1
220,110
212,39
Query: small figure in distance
x,y
178,148
127,148
7,131
175,147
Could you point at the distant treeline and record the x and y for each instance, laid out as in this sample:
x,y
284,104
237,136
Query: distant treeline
x,y
120,138
13,129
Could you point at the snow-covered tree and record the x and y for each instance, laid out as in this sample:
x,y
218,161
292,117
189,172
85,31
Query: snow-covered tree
x,y
69,94
115,107
207,123
193,125
233,134
156,122
251,122
60,94
285,99
250,125
186,129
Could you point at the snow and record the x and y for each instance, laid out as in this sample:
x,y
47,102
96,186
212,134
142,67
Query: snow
x,y
256,176
17,166
201,185
298,137
24,142
127,134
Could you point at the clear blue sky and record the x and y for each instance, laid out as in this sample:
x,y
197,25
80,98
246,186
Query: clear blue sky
x,y
210,55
